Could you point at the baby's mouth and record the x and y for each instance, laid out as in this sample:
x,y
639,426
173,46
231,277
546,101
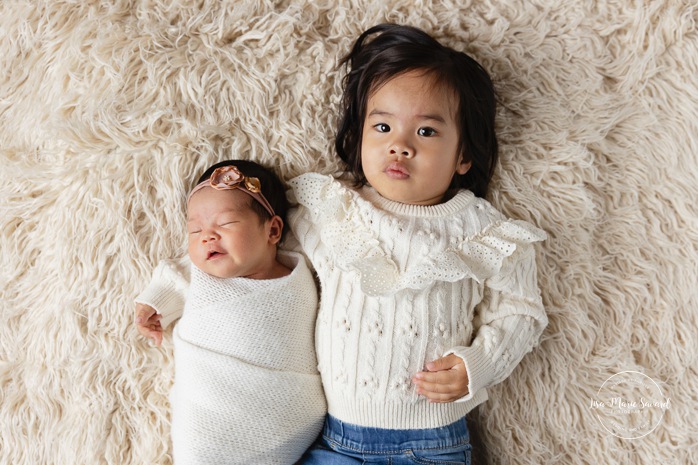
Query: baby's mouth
x,y
213,254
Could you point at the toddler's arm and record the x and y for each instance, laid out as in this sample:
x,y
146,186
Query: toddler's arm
x,y
508,324
162,301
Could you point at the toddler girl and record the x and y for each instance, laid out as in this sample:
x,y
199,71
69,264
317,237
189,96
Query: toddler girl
x,y
428,294
246,385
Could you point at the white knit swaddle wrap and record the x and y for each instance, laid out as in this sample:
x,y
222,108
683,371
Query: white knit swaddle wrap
x,y
246,386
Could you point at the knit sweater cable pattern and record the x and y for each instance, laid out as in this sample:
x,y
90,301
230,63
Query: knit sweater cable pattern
x,y
402,285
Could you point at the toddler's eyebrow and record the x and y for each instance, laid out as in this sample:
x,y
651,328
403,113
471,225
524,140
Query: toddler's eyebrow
x,y
438,118
435,117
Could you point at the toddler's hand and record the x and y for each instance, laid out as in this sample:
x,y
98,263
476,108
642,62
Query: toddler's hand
x,y
445,381
148,323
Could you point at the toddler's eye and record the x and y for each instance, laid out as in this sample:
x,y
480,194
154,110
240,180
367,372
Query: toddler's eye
x,y
197,231
426,132
382,127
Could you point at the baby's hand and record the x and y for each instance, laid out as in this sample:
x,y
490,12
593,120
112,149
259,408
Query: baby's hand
x,y
148,323
445,381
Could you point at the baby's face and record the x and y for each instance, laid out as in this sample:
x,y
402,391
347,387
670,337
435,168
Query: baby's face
x,y
409,148
227,238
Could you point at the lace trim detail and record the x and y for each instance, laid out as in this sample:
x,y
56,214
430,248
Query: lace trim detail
x,y
479,257
343,222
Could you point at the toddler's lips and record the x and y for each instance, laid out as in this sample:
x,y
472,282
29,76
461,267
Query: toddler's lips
x,y
397,171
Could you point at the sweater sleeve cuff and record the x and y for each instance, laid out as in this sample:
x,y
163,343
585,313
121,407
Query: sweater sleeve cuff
x,y
167,290
478,366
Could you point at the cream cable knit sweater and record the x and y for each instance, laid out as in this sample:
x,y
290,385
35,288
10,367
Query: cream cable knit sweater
x,y
246,385
403,285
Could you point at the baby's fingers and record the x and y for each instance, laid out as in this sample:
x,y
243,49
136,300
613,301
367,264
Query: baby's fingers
x,y
144,313
151,330
156,337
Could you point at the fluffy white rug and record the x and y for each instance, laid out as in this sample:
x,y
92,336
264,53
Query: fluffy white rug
x,y
109,110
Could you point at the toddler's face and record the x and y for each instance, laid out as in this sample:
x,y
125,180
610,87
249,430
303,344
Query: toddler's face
x,y
226,237
409,149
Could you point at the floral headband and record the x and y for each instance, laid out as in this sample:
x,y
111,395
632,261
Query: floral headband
x,y
228,178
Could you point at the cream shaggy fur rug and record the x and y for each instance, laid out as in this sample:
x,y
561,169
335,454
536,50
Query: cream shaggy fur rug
x,y
109,110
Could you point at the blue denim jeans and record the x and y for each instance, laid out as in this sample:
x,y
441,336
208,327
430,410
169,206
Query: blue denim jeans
x,y
343,443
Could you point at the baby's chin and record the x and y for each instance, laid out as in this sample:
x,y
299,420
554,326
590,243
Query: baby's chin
x,y
205,267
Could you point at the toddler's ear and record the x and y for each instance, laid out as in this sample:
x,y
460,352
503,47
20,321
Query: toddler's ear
x,y
276,227
463,167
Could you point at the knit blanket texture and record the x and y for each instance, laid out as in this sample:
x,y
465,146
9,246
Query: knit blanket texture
x,y
111,109
246,388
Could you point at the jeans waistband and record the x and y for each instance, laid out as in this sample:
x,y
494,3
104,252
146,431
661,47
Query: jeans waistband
x,y
367,439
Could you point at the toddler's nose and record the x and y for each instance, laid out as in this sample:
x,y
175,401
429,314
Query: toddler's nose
x,y
402,149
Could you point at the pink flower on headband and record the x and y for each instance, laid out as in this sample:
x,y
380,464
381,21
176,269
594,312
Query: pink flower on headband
x,y
230,177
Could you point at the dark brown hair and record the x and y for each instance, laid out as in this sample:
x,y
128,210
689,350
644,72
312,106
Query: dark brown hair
x,y
396,50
